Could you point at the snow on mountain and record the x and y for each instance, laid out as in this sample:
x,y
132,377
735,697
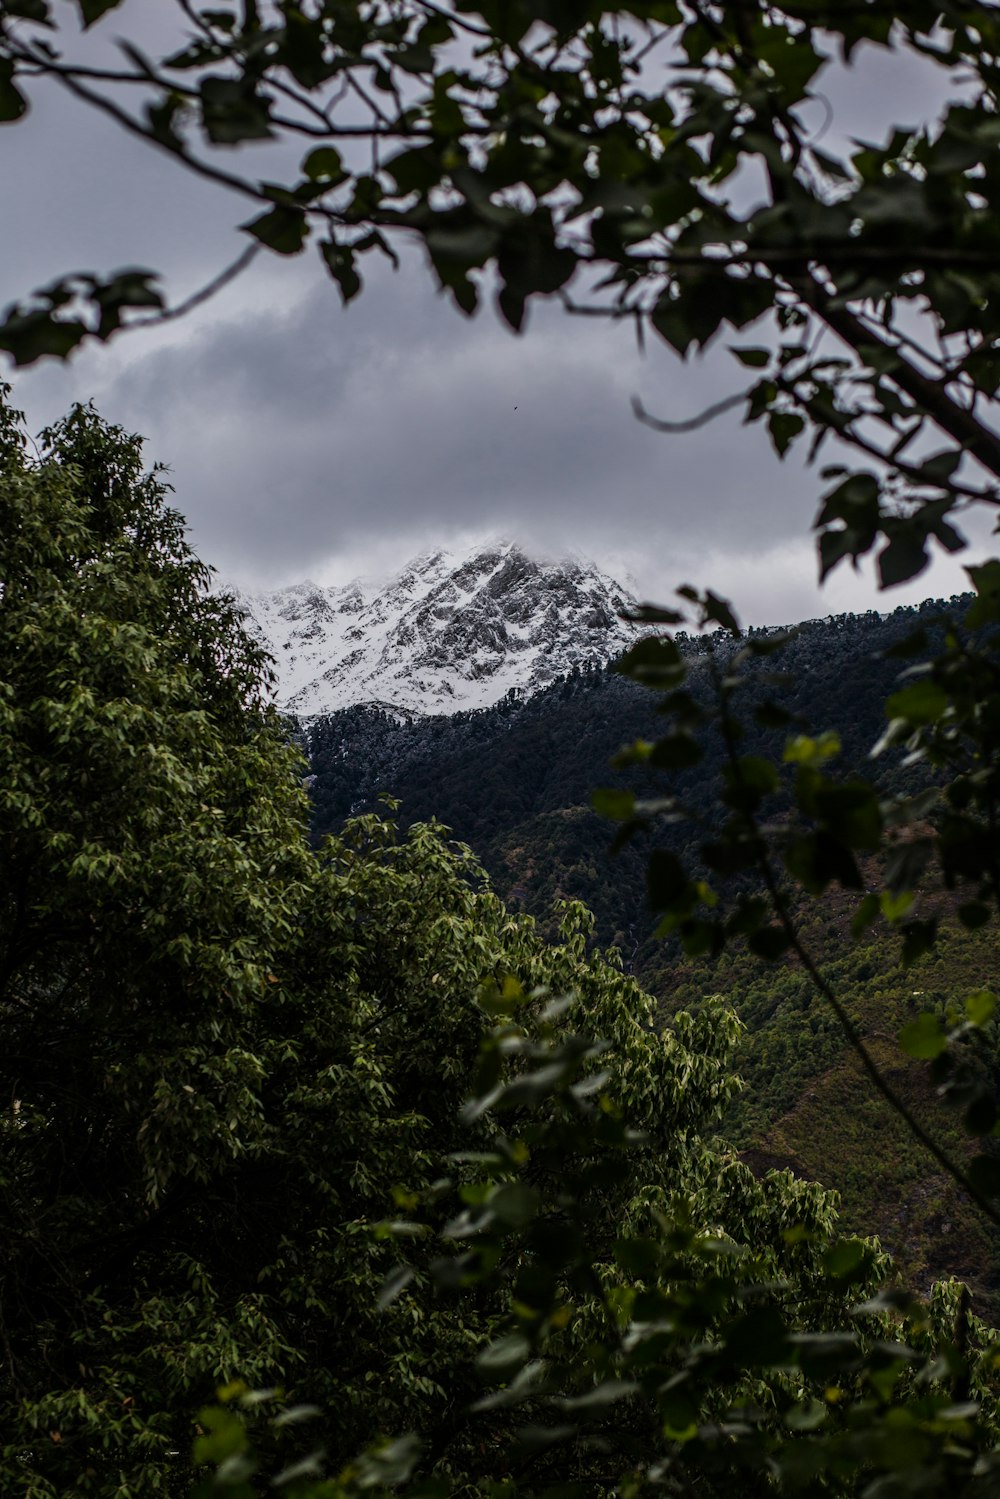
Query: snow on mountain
x,y
448,632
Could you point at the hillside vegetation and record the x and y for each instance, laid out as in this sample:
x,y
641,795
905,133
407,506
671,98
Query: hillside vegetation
x,y
514,782
333,1136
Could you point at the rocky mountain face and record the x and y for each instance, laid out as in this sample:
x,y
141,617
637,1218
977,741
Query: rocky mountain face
x,y
449,632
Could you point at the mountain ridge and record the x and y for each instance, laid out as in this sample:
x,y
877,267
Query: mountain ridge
x,y
451,631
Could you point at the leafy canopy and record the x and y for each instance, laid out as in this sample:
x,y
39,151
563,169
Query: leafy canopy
x,y
602,155
669,162
225,1056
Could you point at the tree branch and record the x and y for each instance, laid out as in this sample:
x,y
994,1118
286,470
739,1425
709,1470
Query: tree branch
x,y
694,422
821,984
960,424
205,294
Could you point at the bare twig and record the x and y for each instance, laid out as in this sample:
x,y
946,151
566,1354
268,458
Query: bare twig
x,y
854,1038
693,423
205,293
68,78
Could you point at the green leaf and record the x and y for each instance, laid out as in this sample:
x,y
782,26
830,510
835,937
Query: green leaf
x,y
985,608
232,111
678,1412
918,938
324,164
292,1415
844,1259
224,1436
895,905
283,229
416,170
750,779
394,1285
769,943
655,614
610,802
757,1338
868,909
32,10
904,558
979,1007
655,662
804,750
667,883
386,1464
669,319
834,546
679,751
13,104
600,1398
783,427
719,611
91,11
921,702
511,304
639,1257
752,358
339,261
940,467
500,1359
28,336
923,1038
808,1417
851,812
514,1204
818,858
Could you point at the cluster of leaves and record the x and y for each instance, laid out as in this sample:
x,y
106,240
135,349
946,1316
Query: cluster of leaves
x,y
608,141
221,1051
224,1052
681,1356
742,880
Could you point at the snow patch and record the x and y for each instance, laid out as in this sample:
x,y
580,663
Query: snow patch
x,y
449,632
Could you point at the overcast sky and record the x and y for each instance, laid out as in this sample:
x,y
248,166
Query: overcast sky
x,y
306,440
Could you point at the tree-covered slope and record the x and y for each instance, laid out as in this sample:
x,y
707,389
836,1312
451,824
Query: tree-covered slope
x,y
313,1124
806,1104
515,783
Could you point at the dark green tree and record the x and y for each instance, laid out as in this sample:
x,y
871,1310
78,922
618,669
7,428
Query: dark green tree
x,y
224,1053
591,152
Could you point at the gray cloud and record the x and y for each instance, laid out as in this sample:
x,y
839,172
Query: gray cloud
x,y
296,431
305,439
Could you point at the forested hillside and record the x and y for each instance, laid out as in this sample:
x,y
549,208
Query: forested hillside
x,y
515,783
341,1129
331,1134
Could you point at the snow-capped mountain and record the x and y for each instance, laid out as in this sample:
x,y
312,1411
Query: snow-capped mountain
x,y
450,631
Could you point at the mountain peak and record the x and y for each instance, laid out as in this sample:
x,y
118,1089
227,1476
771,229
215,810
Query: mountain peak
x,y
450,631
